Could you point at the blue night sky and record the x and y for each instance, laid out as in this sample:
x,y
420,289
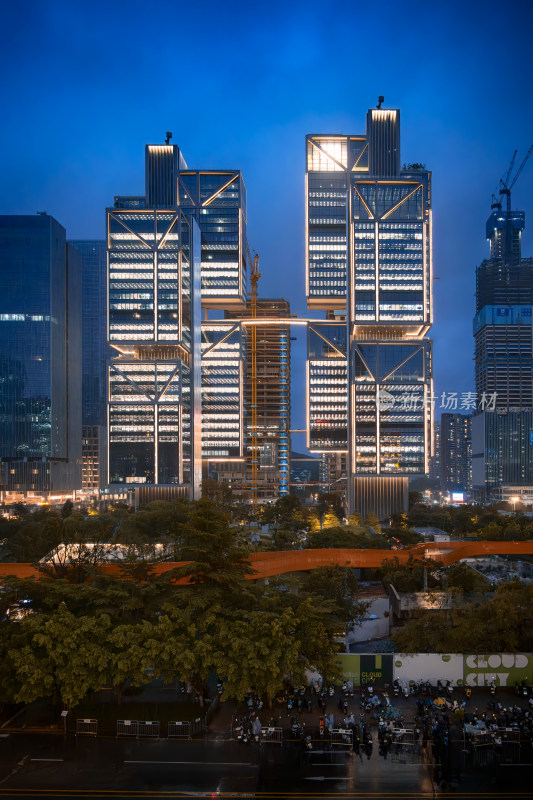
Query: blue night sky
x,y
86,85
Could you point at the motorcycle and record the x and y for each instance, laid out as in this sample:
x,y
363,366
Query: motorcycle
x,y
449,688
405,690
492,687
396,687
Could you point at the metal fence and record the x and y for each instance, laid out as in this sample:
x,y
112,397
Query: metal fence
x,y
510,745
178,730
197,726
127,727
341,737
87,726
271,736
148,728
482,749
405,748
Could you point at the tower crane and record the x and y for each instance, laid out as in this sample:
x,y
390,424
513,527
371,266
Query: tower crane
x,y
254,280
506,184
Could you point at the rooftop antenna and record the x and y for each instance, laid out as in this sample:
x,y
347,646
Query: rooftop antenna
x,y
169,137
381,100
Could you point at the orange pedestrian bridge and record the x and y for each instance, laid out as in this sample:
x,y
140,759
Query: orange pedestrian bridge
x,y
270,563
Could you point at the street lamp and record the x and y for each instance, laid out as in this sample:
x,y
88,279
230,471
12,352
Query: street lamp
x,y
514,501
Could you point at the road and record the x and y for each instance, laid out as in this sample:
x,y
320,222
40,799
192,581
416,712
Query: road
x,y
36,766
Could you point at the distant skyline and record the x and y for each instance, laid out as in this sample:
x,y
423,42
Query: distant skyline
x,y
87,86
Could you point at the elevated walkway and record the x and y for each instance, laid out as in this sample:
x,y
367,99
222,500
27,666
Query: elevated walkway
x,y
269,564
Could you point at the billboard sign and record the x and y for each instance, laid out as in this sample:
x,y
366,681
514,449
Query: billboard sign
x,y
376,668
503,668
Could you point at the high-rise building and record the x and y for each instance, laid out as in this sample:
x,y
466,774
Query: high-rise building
x,y
332,474
369,254
216,199
502,434
435,460
502,326
455,452
154,381
94,358
502,451
40,358
272,436
223,369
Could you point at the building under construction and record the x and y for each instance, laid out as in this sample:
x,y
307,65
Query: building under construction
x,y
267,438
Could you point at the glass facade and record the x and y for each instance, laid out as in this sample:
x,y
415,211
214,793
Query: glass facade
x,y
502,325
217,201
222,390
502,449
369,253
456,452
40,356
94,359
327,397
153,327
94,336
390,396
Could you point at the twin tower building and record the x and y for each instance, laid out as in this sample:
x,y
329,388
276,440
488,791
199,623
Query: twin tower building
x,y
175,324
176,381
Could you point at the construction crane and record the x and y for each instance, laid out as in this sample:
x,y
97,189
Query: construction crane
x,y
254,280
506,184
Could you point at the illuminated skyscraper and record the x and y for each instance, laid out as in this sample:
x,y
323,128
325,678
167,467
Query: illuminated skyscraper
x,y
216,199
369,254
40,357
154,329
179,247
502,325
455,452
94,354
502,436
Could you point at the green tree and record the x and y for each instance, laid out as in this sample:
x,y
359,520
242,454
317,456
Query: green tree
x,y
336,588
355,519
60,655
67,508
373,522
330,520
212,548
219,493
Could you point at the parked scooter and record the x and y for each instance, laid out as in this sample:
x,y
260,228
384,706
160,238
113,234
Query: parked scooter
x,y
449,688
396,687
492,687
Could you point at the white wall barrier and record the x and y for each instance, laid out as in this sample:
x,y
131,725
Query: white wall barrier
x,y
428,667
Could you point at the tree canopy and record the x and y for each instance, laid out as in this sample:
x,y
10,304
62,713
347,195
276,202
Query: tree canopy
x,y
77,630
501,624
